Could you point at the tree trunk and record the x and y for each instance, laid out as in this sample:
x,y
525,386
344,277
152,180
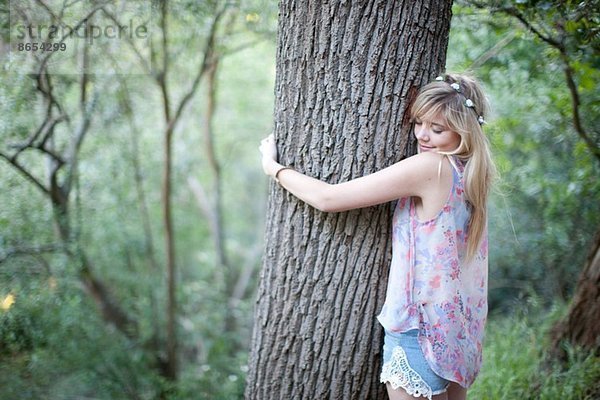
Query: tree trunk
x,y
172,363
346,75
580,327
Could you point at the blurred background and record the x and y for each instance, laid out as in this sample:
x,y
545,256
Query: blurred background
x,y
132,201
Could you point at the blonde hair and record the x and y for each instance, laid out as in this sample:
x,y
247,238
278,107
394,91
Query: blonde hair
x,y
444,99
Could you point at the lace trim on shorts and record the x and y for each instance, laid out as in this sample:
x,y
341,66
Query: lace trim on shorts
x,y
398,373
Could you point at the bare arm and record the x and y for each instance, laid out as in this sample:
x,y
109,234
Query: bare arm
x,y
409,177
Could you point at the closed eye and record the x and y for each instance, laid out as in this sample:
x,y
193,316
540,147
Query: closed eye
x,y
437,128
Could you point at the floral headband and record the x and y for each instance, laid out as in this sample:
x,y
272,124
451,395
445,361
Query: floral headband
x,y
468,102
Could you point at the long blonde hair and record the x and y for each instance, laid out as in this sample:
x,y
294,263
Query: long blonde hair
x,y
448,98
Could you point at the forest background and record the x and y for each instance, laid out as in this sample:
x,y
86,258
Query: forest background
x,y
133,203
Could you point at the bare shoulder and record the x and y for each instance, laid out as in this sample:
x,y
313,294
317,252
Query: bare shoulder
x,y
414,175
427,157
428,170
426,164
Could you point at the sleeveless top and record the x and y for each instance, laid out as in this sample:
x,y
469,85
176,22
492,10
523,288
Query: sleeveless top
x,y
433,289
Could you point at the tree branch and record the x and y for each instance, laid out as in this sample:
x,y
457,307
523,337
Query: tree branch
x,y
493,51
162,76
568,70
49,54
575,106
44,85
86,115
31,251
47,127
206,61
130,42
48,9
202,199
25,173
516,14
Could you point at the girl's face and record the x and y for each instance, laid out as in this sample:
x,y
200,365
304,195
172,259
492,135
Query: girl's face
x,y
435,136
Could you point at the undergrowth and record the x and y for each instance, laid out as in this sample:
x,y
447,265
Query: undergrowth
x,y
515,364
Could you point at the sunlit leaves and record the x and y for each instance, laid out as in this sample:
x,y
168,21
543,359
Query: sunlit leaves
x,y
7,302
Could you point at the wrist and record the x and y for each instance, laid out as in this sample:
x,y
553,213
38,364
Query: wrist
x,y
278,171
273,168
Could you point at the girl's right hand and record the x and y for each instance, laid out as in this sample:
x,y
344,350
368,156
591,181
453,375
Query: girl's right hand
x,y
268,149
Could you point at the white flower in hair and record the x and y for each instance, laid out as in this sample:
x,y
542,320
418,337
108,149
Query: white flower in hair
x,y
439,78
469,103
481,120
455,86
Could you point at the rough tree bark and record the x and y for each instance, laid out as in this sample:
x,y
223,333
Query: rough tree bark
x,y
580,327
346,75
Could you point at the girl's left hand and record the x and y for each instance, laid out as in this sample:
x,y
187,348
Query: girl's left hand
x,y
268,150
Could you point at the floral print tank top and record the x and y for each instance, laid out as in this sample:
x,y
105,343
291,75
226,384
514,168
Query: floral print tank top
x,y
431,288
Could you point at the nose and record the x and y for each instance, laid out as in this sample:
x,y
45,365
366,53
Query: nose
x,y
421,133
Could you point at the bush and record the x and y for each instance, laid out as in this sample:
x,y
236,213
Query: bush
x,y
515,364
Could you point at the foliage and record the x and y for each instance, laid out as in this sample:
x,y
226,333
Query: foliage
x,y
515,365
544,212
53,347
54,343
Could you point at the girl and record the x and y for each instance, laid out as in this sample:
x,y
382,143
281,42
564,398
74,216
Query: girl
x,y
436,300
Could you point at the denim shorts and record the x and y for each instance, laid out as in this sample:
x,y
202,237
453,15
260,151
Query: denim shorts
x,y
405,366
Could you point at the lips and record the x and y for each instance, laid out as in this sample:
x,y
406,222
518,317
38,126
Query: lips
x,y
425,148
